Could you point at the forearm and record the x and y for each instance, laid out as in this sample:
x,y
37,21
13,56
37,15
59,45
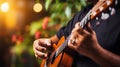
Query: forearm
x,y
105,58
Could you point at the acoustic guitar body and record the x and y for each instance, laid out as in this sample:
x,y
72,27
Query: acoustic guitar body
x,y
62,60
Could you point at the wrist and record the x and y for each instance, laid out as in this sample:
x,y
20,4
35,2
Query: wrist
x,y
95,52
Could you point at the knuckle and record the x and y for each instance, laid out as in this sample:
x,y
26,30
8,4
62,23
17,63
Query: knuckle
x,y
42,56
43,49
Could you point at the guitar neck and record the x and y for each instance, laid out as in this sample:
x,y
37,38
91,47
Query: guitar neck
x,y
86,19
82,24
99,7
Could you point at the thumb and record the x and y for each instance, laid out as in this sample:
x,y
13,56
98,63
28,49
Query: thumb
x,y
48,42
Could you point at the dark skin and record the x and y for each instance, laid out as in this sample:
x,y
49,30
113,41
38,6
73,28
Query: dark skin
x,y
85,44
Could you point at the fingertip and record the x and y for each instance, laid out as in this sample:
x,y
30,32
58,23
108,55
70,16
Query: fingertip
x,y
36,56
89,28
89,25
77,24
44,56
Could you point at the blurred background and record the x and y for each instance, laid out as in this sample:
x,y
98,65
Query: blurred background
x,y
23,21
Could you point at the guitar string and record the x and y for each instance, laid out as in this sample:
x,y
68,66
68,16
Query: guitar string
x,y
87,18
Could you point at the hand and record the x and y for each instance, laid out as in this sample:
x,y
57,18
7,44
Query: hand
x,y
84,41
40,47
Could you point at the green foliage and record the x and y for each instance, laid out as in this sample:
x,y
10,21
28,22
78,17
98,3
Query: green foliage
x,y
34,27
48,2
59,12
62,11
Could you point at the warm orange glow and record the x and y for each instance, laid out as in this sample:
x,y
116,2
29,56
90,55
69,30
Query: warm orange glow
x,y
37,7
4,7
10,20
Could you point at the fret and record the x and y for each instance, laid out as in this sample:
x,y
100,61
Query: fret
x,y
86,19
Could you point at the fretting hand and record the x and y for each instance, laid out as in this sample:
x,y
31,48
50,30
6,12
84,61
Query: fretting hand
x,y
83,41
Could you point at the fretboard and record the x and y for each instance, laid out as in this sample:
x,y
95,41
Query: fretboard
x,y
99,7
82,24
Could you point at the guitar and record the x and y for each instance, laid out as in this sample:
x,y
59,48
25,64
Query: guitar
x,y
61,58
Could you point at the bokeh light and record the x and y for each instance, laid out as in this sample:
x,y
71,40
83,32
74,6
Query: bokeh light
x,y
37,7
5,7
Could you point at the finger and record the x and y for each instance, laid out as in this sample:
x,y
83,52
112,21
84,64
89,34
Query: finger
x,y
79,29
36,56
37,48
35,53
40,48
44,42
35,45
41,55
77,25
71,45
48,42
73,38
72,41
89,28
